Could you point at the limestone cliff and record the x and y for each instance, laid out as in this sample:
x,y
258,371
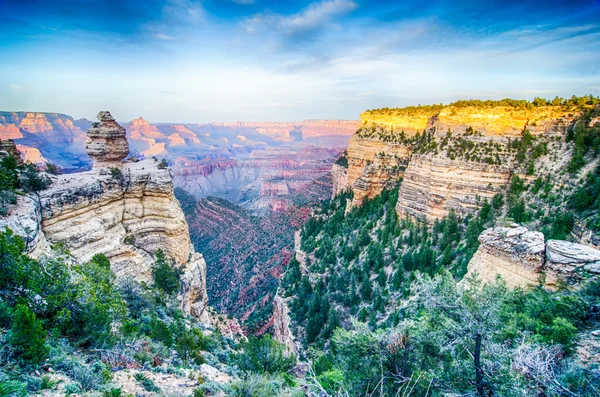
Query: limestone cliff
x,y
124,213
339,179
450,157
374,164
281,324
521,256
435,184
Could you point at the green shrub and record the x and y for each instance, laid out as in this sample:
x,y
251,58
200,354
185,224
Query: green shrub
x,y
28,337
264,355
53,169
165,276
13,388
146,383
31,180
116,174
162,165
113,392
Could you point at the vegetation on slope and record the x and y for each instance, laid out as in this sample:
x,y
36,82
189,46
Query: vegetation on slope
x,y
505,108
245,255
380,309
15,178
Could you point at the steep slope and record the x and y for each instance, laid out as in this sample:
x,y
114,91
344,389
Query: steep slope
x,y
245,255
358,256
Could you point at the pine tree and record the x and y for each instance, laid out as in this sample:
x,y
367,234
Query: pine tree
x,y
28,336
165,277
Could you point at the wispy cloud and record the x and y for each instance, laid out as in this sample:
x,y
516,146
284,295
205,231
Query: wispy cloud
x,y
313,17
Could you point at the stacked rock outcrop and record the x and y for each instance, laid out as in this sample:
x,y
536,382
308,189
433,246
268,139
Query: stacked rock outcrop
x,y
9,148
107,143
522,256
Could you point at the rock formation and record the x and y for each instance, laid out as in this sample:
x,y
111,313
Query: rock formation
x,y
339,178
274,178
8,148
521,256
107,144
126,215
449,157
572,262
281,324
515,253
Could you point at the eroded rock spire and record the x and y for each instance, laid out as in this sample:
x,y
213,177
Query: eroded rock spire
x,y
107,144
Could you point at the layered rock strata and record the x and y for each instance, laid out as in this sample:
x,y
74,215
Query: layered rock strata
x,y
434,184
450,157
373,165
522,256
9,148
339,178
107,143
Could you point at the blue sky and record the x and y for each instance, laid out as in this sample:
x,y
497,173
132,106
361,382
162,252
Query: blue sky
x,y
225,60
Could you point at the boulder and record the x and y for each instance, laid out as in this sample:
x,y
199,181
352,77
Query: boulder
x,y
571,261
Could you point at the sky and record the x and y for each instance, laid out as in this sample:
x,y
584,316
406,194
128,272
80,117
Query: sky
x,y
276,60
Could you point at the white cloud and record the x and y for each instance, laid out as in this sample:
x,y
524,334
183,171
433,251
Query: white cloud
x,y
15,88
312,17
242,1
162,36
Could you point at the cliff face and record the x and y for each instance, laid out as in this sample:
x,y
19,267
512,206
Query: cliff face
x,y
374,164
434,184
521,256
339,179
498,119
450,157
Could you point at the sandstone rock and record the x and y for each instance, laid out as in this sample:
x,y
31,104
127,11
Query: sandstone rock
x,y
376,163
433,185
520,256
281,324
339,178
107,144
515,253
193,295
570,261
32,155
24,220
9,148
126,219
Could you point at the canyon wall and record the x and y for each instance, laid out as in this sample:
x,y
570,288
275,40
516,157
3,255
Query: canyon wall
x,y
449,157
434,184
46,137
275,178
339,179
